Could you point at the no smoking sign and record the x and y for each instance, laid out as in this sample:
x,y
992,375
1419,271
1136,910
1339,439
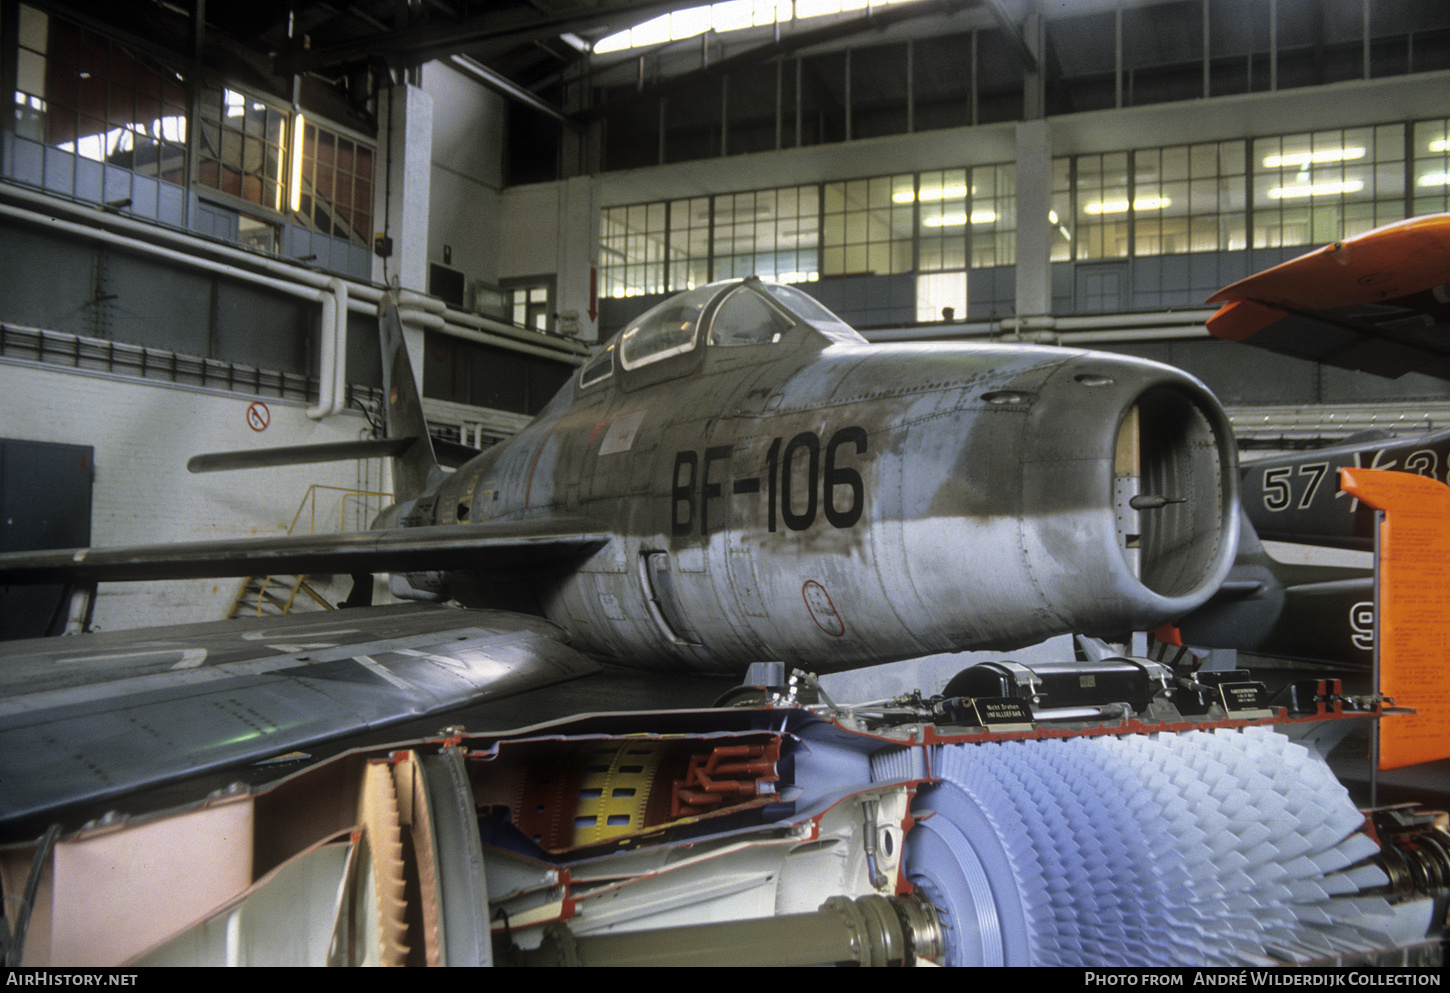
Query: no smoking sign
x,y
258,416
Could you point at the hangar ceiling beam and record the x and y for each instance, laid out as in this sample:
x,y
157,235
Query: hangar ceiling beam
x,y
442,38
1013,35
502,84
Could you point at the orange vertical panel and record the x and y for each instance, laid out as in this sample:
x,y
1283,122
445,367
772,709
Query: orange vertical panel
x,y
1412,579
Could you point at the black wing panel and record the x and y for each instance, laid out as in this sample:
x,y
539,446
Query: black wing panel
x,y
511,545
86,718
1297,497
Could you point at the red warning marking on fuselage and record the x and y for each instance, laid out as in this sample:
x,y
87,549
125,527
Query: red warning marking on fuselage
x,y
822,610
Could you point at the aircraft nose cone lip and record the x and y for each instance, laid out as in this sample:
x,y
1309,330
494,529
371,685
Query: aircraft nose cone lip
x,y
1141,456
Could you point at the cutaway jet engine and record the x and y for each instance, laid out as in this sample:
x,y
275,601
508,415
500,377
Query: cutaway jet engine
x,y
1048,826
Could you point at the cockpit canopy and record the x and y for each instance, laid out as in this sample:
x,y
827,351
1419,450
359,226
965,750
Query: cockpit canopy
x,y
730,313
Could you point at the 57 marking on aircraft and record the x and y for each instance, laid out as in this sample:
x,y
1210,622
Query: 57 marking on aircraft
x,y
1277,492
830,489
1280,482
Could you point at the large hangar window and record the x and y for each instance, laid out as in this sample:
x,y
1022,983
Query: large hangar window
x,y
930,229
334,184
1189,198
940,71
670,246
100,120
1227,196
248,150
1152,201
867,226
1316,187
768,233
1432,166
242,153
928,232
89,95
632,249
689,244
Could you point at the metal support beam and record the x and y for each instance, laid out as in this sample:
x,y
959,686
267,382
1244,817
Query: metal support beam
x,y
1014,36
502,84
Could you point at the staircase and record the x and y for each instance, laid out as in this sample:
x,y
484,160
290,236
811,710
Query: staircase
x,y
261,596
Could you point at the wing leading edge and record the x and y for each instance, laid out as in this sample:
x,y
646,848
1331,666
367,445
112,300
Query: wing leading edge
x,y
89,718
509,545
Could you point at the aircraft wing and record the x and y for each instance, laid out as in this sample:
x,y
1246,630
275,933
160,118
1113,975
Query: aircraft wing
x,y
1377,302
484,546
90,717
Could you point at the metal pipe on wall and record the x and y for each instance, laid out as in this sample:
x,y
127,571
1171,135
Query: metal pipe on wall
x,y
332,296
338,296
332,357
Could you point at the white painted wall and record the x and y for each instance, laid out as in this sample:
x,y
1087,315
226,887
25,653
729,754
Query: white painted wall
x,y
466,172
553,230
404,187
143,433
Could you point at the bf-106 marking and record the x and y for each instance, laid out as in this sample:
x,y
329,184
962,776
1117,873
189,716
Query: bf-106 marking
x,y
796,484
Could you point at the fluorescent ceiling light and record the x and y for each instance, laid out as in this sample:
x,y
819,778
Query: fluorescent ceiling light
x,y
957,220
1440,145
1435,179
1297,159
1121,206
294,177
928,193
1315,189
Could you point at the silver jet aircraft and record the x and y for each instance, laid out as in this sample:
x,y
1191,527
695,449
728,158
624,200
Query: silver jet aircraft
x,y
736,477
778,488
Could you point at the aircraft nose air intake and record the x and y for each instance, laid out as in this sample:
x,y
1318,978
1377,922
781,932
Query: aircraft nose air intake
x,y
1168,492
1128,475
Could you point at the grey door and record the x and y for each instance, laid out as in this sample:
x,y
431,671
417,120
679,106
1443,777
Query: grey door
x,y
45,502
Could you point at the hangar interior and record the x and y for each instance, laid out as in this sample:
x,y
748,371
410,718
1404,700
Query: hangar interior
x,y
204,204
200,203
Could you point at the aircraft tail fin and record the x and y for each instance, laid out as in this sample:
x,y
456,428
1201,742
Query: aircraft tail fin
x,y
403,407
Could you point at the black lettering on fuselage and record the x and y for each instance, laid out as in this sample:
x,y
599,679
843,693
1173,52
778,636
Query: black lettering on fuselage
x,y
845,476
683,493
808,442
708,490
796,482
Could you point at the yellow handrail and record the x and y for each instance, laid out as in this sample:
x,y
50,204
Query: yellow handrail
x,y
309,498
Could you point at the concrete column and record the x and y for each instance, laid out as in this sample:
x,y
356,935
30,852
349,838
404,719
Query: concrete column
x,y
1034,231
1034,84
577,238
403,183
